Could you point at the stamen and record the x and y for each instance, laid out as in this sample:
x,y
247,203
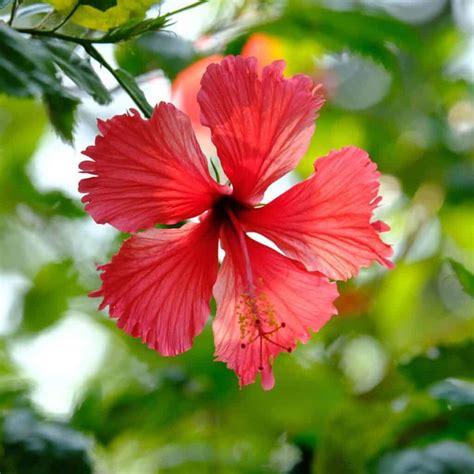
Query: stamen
x,y
255,338
281,326
287,349
258,321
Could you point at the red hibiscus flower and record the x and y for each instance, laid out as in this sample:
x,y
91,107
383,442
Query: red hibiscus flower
x,y
160,283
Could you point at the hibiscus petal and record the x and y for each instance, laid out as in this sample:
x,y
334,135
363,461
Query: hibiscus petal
x,y
324,222
287,300
261,126
146,171
160,283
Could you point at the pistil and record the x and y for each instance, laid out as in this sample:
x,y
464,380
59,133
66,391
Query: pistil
x,y
245,251
256,314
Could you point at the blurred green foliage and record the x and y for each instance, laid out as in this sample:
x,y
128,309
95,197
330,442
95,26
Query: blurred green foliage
x,y
387,387
158,50
47,299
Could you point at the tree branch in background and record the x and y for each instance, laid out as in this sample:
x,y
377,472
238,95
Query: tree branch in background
x,y
135,93
12,13
66,18
125,31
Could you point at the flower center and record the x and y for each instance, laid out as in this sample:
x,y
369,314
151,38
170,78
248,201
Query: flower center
x,y
226,207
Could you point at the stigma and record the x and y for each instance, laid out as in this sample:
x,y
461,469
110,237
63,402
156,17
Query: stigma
x,y
258,323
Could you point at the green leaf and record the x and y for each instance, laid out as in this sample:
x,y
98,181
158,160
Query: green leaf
x,y
465,277
156,50
61,114
134,27
27,70
440,363
79,70
4,3
126,78
102,5
48,298
92,18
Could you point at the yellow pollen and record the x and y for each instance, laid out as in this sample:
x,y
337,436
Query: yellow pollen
x,y
257,322
256,314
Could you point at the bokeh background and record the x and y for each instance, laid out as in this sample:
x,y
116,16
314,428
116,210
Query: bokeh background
x,y
386,387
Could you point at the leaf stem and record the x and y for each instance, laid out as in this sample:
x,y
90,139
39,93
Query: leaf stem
x,y
94,53
52,34
88,45
44,19
101,40
66,18
214,168
187,7
13,12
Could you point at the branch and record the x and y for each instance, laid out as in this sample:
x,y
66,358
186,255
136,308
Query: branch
x,y
66,18
52,34
101,40
88,45
12,13
146,110
187,7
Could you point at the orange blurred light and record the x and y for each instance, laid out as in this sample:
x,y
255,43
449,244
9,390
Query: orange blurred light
x,y
353,302
187,84
264,47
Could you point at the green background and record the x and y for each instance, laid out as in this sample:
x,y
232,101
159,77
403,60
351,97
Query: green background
x,y
385,387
